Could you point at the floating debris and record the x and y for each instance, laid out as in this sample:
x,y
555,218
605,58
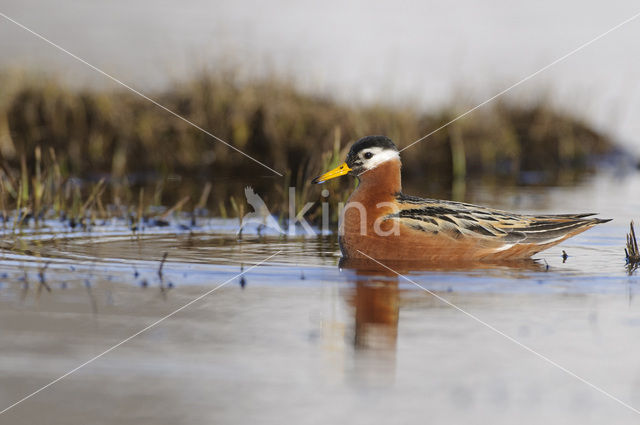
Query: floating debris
x,y
25,285
243,281
164,259
159,223
92,298
42,278
163,290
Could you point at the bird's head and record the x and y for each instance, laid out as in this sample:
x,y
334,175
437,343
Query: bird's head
x,y
365,154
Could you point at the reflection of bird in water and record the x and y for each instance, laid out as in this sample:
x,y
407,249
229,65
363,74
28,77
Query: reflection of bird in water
x,y
381,222
376,302
375,299
260,215
376,316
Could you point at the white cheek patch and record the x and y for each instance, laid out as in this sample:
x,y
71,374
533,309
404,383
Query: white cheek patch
x,y
380,156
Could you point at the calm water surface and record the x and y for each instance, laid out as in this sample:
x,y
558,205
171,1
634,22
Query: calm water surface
x,y
301,340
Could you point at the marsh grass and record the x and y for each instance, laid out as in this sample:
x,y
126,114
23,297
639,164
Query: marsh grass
x,y
84,154
632,252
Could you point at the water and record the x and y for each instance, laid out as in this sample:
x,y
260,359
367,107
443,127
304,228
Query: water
x,y
300,340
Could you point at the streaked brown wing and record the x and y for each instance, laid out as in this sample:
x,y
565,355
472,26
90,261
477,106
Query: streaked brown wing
x,y
460,220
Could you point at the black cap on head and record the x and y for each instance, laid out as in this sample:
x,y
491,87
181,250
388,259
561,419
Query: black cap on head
x,y
372,141
369,142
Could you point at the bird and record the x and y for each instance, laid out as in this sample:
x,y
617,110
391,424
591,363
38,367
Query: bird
x,y
380,222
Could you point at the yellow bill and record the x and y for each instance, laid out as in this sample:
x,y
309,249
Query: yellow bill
x,y
336,172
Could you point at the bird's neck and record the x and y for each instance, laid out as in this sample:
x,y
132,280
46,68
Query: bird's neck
x,y
382,182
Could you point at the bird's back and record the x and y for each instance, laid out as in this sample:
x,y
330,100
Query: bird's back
x,y
505,234
437,230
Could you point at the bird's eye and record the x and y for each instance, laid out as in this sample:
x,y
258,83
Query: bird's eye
x,y
368,155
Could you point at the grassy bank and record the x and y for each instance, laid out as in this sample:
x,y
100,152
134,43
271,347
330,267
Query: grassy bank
x,y
50,130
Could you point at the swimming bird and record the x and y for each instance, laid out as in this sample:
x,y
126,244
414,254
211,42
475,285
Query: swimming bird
x,y
381,222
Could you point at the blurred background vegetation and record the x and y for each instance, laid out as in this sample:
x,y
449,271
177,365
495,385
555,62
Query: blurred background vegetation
x,y
57,139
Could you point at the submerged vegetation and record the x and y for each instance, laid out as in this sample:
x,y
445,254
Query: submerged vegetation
x,y
81,150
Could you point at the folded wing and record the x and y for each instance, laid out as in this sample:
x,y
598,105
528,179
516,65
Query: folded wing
x,y
459,220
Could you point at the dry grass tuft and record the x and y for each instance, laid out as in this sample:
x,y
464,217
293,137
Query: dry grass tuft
x,y
631,251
